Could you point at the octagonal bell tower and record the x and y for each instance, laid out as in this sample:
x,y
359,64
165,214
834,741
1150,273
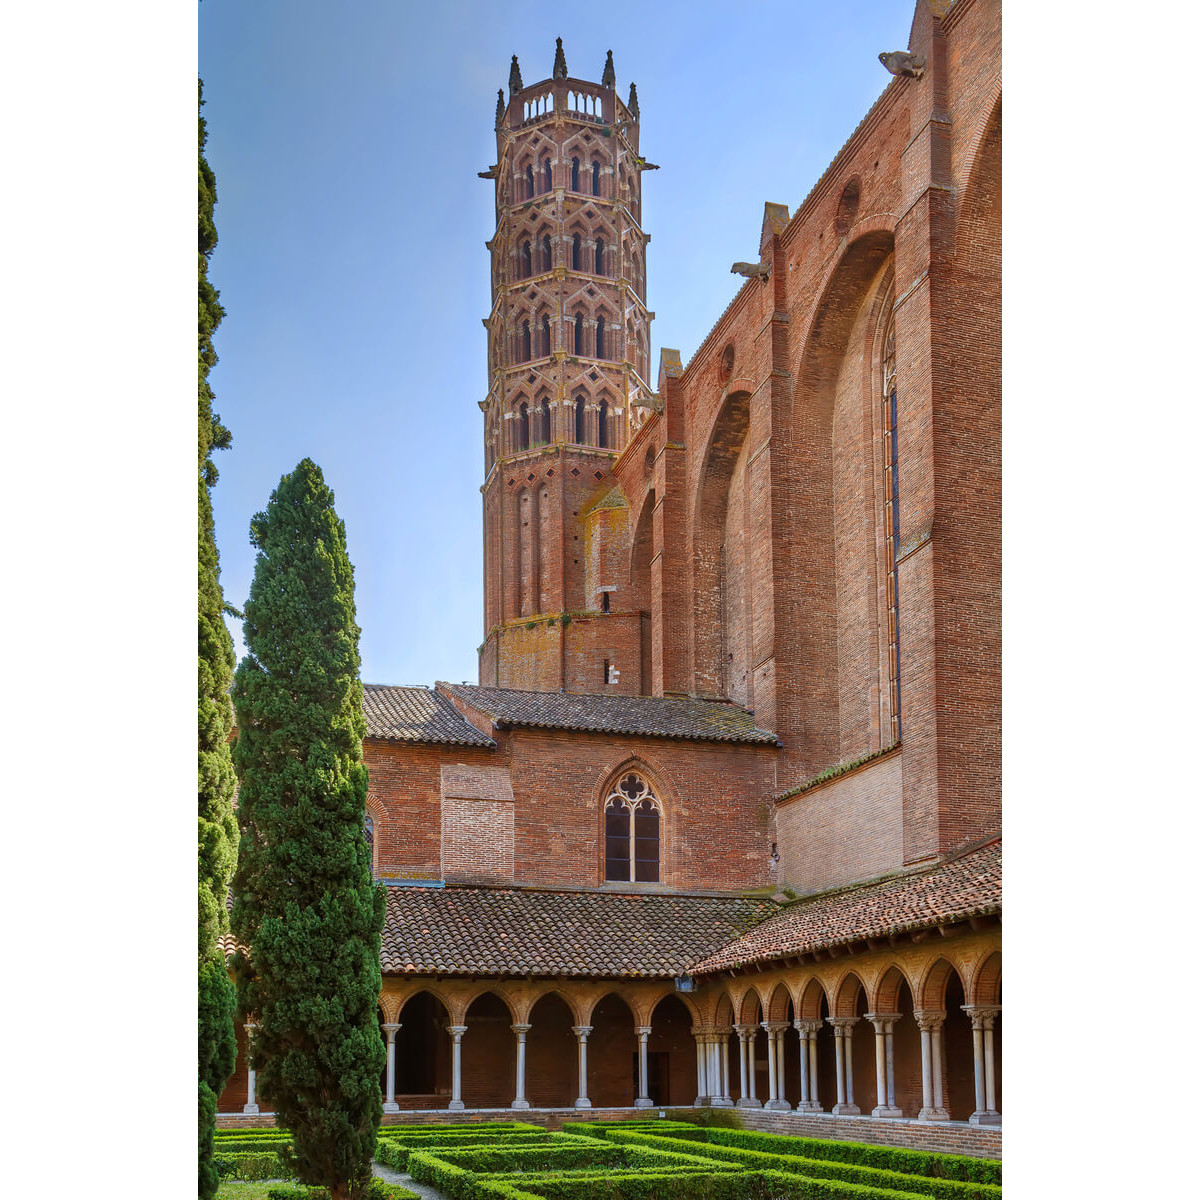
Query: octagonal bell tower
x,y
568,353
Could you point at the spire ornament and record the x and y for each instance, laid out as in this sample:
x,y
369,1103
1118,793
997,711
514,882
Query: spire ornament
x,y
499,107
633,101
514,76
560,62
609,78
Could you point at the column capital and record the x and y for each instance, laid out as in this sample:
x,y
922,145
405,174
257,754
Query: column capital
x,y
808,1025
581,1031
391,1028
983,1016
520,1029
745,1031
643,1030
843,1023
774,1026
456,1031
929,1019
881,1018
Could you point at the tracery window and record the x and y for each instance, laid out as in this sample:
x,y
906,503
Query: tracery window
x,y
891,521
632,816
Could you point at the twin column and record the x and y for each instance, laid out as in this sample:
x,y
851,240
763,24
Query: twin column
x,y
983,1025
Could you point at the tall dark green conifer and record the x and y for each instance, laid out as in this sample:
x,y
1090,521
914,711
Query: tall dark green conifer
x,y
217,834
304,902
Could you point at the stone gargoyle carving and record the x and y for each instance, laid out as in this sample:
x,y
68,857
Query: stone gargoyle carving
x,y
758,270
901,62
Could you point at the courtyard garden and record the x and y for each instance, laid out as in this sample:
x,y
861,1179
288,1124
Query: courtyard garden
x,y
620,1160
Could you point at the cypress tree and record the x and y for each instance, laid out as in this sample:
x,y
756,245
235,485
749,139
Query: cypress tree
x,y
304,902
217,832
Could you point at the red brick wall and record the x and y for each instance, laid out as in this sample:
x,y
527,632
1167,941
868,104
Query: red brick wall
x,y
847,829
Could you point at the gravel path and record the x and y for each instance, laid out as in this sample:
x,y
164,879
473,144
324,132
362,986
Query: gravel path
x,y
389,1175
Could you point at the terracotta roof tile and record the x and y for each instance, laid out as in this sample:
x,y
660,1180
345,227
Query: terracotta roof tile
x,y
968,886
502,931
647,716
417,714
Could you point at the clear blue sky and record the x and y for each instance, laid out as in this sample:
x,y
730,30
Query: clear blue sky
x,y
346,140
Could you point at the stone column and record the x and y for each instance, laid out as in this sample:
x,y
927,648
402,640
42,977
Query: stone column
x,y
702,1093
520,1030
807,1028
983,1025
746,1098
843,1031
726,1098
389,1102
643,1098
456,1034
885,1081
930,1022
581,1033
775,1064
251,1105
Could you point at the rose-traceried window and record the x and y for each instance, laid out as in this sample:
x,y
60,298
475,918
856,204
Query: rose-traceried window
x,y
632,817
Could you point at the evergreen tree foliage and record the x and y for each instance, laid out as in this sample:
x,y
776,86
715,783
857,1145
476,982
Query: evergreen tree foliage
x,y
304,902
217,831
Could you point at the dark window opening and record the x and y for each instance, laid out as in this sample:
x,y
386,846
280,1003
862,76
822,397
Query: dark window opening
x,y
599,256
575,174
547,178
602,439
529,193
595,179
526,342
604,604
526,260
547,254
544,426
600,337
523,428
579,333
546,346
579,420
645,843
616,842
576,252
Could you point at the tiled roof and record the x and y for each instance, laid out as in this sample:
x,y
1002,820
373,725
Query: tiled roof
x,y
952,891
502,931
647,716
417,714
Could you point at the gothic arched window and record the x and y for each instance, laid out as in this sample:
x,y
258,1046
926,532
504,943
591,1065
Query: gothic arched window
x,y
891,521
523,428
575,174
526,259
632,818
579,333
544,422
546,345
547,254
602,425
599,256
576,252
580,428
547,178
529,183
369,836
595,178
526,342
599,337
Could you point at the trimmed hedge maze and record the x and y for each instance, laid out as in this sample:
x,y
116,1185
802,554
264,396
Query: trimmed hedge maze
x,y
671,1160
252,1155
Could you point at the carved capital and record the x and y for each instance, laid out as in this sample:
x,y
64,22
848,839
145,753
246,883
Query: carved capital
x,y
883,1022
456,1031
643,1031
774,1026
391,1029
983,1016
520,1030
745,1031
845,1024
930,1019
808,1026
581,1032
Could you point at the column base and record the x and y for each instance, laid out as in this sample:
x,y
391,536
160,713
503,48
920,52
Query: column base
x,y
809,1106
250,1108
519,1104
846,1110
933,1114
722,1102
984,1116
748,1102
702,1102
778,1106
886,1110
456,1106
643,1102
392,1107
583,1102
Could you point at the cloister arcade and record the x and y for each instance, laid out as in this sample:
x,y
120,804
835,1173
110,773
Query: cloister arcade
x,y
917,1037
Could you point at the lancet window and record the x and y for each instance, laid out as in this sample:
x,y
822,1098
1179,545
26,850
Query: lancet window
x,y
891,521
575,174
547,253
523,427
599,256
576,253
547,348
579,333
602,425
632,816
595,178
580,416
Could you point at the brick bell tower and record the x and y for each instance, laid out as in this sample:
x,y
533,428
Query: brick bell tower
x,y
568,354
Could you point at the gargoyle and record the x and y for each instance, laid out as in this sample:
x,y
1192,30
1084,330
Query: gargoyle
x,y
758,270
901,62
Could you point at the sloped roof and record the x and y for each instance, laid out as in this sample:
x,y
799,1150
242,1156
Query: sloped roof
x,y
417,714
951,891
509,931
646,716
